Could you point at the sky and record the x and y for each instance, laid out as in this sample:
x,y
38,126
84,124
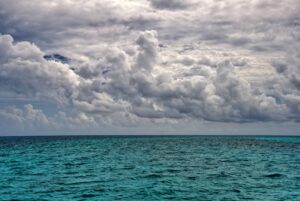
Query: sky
x,y
149,67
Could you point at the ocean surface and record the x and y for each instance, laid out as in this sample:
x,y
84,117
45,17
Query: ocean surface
x,y
150,168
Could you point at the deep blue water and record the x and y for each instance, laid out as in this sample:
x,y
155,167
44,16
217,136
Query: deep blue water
x,y
150,168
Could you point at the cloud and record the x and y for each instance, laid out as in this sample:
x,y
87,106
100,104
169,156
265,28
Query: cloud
x,y
140,84
28,117
151,61
30,120
25,71
170,4
148,44
209,92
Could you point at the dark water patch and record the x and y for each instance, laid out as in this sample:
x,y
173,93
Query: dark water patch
x,y
218,175
153,176
74,164
173,170
99,190
36,174
79,183
88,195
236,190
128,167
274,175
191,177
70,173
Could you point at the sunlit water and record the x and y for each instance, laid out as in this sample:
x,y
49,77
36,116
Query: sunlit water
x,y
150,168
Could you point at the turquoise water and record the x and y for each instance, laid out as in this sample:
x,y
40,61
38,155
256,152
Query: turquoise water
x,y
150,168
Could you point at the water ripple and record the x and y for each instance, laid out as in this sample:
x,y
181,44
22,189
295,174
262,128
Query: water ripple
x,y
149,168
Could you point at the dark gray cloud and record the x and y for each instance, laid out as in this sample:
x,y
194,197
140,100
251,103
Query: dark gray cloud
x,y
170,4
57,57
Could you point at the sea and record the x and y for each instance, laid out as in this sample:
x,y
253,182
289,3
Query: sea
x,y
148,168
